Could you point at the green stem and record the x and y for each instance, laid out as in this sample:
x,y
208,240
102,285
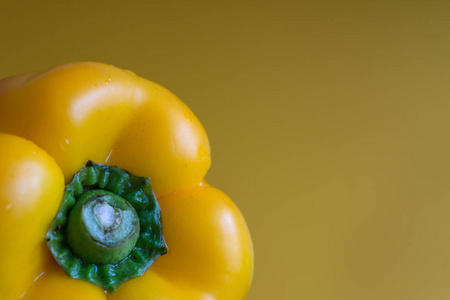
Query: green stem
x,y
103,228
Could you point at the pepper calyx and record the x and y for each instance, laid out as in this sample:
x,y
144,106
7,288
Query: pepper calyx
x,y
108,227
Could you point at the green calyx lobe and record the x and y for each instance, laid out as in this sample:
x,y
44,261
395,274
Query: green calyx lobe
x,y
108,227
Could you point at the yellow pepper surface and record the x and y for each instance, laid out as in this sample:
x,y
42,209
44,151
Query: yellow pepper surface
x,y
51,123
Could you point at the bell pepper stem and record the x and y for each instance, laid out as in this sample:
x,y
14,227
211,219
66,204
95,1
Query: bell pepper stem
x,y
102,228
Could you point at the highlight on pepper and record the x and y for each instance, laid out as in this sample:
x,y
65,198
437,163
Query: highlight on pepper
x,y
102,193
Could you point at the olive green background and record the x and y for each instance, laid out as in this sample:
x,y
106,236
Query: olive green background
x,y
328,120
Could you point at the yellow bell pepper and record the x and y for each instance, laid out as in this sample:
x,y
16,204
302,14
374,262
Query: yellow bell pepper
x,y
51,123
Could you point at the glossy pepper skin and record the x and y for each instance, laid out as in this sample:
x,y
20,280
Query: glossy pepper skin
x,y
52,122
